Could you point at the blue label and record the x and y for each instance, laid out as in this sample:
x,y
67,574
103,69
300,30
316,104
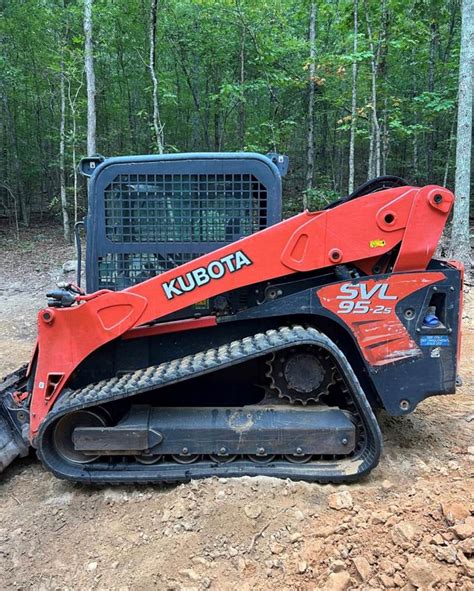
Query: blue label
x,y
434,341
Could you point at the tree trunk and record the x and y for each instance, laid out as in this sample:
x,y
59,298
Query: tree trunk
x,y
415,156
431,87
90,76
199,127
375,121
157,125
354,103
385,138
415,133
242,95
460,232
310,141
62,151
370,167
217,121
72,100
450,149
374,157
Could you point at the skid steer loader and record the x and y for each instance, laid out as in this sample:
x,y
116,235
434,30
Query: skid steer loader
x,y
216,339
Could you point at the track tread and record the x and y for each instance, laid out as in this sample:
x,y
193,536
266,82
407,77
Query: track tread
x,y
213,359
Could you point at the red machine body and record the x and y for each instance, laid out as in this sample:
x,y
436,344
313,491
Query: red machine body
x,y
358,232
388,238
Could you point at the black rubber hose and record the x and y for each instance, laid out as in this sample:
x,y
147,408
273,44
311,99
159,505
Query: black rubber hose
x,y
77,237
372,186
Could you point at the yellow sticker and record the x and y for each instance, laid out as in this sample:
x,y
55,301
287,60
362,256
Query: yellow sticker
x,y
376,243
202,304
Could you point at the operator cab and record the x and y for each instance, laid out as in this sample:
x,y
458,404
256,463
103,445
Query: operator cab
x,y
149,214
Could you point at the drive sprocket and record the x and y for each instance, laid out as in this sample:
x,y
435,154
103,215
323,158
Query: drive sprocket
x,y
301,375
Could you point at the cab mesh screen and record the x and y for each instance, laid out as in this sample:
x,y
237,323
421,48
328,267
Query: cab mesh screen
x,y
118,271
184,207
188,209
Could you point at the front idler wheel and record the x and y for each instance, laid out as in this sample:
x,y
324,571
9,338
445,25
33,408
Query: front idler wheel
x,y
64,430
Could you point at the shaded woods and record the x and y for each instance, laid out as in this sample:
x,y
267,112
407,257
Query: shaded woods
x,y
348,90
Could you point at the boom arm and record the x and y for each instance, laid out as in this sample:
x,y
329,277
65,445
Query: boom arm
x,y
358,231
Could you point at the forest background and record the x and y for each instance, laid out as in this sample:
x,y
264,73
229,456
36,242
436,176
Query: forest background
x,y
348,89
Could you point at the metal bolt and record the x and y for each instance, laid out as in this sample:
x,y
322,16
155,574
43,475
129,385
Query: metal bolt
x,y
344,441
451,288
223,450
185,450
299,451
418,330
261,451
435,288
404,404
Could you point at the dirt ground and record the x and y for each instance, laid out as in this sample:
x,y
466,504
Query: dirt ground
x,y
407,525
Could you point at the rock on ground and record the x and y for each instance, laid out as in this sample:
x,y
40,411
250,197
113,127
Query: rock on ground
x,y
340,500
421,573
338,581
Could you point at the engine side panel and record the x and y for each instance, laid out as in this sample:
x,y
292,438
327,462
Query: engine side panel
x,y
405,360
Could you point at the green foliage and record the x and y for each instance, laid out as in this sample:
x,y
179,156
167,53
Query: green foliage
x,y
433,102
316,198
319,198
205,104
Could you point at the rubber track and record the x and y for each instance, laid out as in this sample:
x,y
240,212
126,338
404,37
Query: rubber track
x,y
191,366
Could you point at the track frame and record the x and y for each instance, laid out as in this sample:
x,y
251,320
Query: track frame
x,y
337,470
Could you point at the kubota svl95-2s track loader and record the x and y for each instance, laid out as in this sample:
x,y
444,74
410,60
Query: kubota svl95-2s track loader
x,y
217,340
